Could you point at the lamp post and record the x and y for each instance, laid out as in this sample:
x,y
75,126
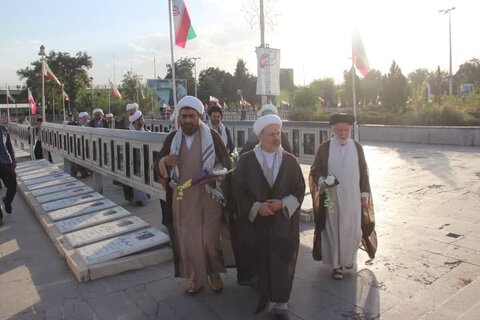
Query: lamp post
x,y
450,44
195,72
91,84
42,54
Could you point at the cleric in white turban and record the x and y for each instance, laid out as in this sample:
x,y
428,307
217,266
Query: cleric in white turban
x,y
264,121
132,106
190,102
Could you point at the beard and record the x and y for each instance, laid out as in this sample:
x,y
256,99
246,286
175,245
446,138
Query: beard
x,y
190,128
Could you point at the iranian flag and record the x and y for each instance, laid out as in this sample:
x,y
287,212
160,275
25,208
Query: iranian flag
x,y
9,97
32,103
65,96
49,73
115,91
214,100
358,55
183,26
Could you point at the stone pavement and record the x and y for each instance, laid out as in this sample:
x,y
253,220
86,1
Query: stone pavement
x,y
427,201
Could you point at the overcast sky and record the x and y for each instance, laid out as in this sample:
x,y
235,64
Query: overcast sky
x,y
314,36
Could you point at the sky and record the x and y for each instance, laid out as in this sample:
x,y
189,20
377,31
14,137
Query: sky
x,y
314,36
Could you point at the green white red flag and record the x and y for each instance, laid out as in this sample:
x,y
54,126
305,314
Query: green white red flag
x,y
115,91
358,55
214,100
32,102
65,95
182,24
49,73
9,97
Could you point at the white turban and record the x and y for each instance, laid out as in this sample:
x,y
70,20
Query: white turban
x,y
97,110
267,109
134,117
132,106
83,114
109,115
264,121
190,102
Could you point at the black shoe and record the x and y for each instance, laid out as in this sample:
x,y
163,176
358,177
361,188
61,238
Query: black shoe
x,y
281,316
8,207
1,217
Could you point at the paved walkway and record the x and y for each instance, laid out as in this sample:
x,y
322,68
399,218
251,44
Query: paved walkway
x,y
427,201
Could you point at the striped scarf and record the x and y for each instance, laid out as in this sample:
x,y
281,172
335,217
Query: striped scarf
x,y
208,150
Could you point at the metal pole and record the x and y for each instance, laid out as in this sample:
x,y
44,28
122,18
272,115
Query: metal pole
x,y
8,106
91,78
170,14
42,54
63,104
262,38
355,125
195,72
450,89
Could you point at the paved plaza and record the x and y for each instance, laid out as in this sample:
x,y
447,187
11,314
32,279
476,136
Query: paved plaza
x,y
427,202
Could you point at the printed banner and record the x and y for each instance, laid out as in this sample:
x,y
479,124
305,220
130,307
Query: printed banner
x,y
268,80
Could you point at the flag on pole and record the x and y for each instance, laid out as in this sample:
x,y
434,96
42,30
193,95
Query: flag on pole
x,y
358,55
115,91
183,26
214,100
32,103
49,73
65,96
9,96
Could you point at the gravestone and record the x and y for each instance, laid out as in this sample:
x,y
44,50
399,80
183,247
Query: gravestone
x,y
80,209
51,183
64,194
58,188
91,219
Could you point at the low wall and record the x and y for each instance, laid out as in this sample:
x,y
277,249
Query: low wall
x,y
460,136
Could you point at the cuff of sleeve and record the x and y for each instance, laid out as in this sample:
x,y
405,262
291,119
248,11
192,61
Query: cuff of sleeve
x,y
162,168
290,203
364,194
252,214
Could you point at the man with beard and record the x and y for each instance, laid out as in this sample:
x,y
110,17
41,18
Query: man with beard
x,y
215,115
98,121
269,189
191,215
343,213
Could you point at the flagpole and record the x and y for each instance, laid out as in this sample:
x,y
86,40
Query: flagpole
x,y
170,13
8,106
53,107
109,108
42,54
355,125
63,103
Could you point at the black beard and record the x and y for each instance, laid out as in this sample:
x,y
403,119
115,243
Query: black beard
x,y
189,129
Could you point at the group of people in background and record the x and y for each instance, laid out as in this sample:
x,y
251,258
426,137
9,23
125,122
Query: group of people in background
x,y
248,205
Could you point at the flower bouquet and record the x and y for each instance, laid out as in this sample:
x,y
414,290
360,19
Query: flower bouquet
x,y
216,174
330,181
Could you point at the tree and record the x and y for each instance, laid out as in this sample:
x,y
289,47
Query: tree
x,y
71,71
347,98
395,89
469,72
372,86
325,88
135,90
305,97
244,81
215,82
183,70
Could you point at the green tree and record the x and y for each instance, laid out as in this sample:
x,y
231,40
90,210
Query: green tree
x,y
347,97
243,80
71,71
372,86
305,97
326,89
468,72
395,89
183,70
215,82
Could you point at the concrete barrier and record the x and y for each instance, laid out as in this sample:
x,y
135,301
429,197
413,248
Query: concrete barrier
x,y
460,136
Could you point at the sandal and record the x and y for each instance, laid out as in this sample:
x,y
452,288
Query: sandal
x,y
337,274
193,289
216,284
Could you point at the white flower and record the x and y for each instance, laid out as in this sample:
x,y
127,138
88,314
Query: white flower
x,y
330,180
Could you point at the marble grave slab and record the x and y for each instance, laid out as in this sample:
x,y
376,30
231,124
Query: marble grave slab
x,y
90,219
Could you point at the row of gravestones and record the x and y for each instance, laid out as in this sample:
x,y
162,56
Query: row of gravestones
x,y
94,227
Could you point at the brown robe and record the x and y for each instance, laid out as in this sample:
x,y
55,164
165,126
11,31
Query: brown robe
x,y
320,169
200,213
276,238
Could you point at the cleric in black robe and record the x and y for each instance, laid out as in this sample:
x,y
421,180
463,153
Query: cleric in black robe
x,y
269,189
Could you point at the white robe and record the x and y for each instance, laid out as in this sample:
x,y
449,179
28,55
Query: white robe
x,y
342,234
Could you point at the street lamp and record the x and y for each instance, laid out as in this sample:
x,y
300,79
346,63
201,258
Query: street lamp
x,y
42,54
91,84
450,44
195,72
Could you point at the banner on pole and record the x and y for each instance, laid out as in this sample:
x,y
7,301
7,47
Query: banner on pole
x,y
268,64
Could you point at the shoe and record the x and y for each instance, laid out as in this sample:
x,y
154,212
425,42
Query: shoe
x,y
8,207
337,274
139,203
193,289
1,217
280,315
216,284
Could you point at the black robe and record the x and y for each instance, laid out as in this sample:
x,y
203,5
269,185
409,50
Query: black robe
x,y
276,238
222,157
318,169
